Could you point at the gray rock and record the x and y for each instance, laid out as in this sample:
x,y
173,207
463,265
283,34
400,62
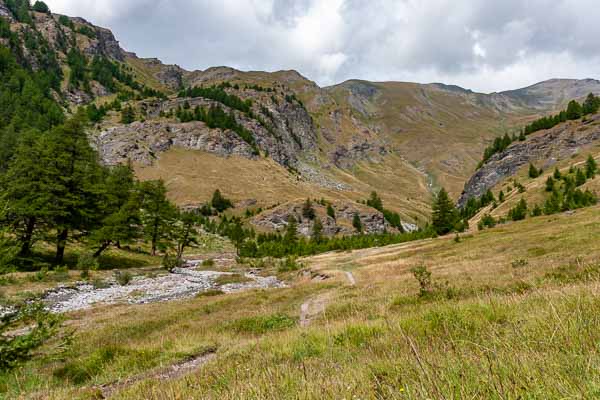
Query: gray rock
x,y
558,143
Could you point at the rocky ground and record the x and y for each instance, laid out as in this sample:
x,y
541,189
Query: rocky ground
x,y
180,284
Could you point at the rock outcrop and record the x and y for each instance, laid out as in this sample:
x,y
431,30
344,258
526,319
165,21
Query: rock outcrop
x,y
277,219
549,146
142,142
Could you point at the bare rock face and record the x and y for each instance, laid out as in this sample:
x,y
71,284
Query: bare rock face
x,y
284,130
171,76
5,12
558,143
143,141
277,219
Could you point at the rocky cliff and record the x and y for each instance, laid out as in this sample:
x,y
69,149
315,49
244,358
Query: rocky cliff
x,y
544,149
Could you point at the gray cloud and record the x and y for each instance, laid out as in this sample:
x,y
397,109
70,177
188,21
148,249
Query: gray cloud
x,y
480,44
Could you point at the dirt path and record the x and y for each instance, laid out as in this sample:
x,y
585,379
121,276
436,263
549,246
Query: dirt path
x,y
350,277
172,372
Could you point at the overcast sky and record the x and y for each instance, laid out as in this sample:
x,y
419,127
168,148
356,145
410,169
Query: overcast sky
x,y
484,45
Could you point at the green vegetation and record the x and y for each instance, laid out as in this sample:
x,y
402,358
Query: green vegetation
x,y
40,6
217,93
14,350
446,218
392,217
574,111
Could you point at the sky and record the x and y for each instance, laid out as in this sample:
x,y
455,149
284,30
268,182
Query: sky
x,y
483,45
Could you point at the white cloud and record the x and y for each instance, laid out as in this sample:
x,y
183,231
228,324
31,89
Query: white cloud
x,y
482,45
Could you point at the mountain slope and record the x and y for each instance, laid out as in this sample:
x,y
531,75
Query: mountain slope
x,y
403,140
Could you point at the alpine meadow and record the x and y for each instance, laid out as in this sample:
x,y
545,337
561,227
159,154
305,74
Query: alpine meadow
x,y
245,232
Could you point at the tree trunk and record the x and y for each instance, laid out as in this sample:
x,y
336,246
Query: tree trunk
x,y
118,244
103,247
27,236
61,243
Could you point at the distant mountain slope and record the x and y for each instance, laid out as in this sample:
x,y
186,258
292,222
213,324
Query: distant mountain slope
x,y
403,140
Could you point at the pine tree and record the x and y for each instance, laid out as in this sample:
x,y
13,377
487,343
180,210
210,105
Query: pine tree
x,y
501,196
40,6
72,178
580,177
574,110
291,231
184,231
444,216
591,104
557,174
120,207
375,202
331,211
158,214
357,223
519,212
591,167
317,231
550,184
308,211
127,115
219,202
533,171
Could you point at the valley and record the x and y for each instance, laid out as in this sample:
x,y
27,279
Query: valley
x,y
228,234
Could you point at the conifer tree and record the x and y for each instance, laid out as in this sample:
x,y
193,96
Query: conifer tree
x,y
158,214
317,231
308,211
375,202
120,207
574,110
219,202
331,211
591,167
501,196
72,178
580,177
557,174
550,184
357,223
127,115
184,231
533,171
291,231
444,213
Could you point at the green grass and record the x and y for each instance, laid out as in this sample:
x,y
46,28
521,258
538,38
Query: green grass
x,y
492,326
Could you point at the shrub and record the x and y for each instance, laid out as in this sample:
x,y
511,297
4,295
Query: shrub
x,y
423,276
289,264
87,262
15,350
208,262
487,221
123,278
262,324
170,263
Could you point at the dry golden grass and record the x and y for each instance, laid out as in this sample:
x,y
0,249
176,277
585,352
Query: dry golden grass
x,y
193,176
504,303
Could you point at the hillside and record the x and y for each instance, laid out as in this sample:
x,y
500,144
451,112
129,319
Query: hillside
x,y
225,234
364,331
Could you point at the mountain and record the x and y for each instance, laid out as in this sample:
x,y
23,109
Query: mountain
x,y
296,139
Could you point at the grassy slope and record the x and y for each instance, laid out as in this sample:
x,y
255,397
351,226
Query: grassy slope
x,y
192,177
494,327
